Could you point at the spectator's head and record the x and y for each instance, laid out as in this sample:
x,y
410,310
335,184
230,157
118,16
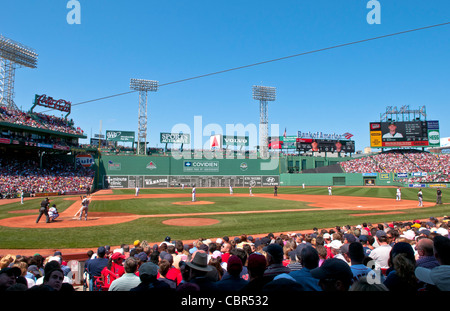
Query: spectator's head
x,y
274,253
131,265
442,249
54,277
424,247
101,251
8,277
309,257
234,266
334,275
381,237
240,253
164,266
148,272
362,285
199,264
356,253
256,265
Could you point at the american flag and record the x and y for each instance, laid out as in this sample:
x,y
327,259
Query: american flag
x,y
284,135
348,135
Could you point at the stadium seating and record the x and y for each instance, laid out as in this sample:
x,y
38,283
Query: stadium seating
x,y
437,166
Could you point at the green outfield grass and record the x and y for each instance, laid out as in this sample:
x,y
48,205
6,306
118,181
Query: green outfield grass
x,y
152,229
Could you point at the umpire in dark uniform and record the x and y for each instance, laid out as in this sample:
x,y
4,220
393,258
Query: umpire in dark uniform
x,y
438,196
43,210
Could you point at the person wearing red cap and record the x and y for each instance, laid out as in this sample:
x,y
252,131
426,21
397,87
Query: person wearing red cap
x,y
113,270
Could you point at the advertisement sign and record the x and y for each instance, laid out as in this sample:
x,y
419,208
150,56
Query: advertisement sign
x,y
123,136
174,138
200,166
325,145
434,137
235,140
85,160
216,141
49,102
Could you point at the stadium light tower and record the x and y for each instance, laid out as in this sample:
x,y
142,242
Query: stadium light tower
x,y
264,94
143,86
13,55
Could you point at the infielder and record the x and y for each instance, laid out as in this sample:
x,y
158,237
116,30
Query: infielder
x,y
193,194
137,191
250,189
329,190
420,197
231,190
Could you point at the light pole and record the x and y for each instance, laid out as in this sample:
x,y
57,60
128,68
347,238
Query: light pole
x,y
264,94
143,86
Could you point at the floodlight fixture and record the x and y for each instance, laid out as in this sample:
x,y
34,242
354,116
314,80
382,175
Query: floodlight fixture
x,y
13,55
143,86
265,93
18,53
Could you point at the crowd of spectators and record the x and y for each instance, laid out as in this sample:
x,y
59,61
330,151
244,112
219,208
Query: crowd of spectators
x,y
56,176
38,120
434,167
399,256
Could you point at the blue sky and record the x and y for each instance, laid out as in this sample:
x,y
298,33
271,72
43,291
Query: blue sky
x,y
336,91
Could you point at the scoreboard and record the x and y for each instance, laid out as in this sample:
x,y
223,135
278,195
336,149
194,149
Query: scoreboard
x,y
404,134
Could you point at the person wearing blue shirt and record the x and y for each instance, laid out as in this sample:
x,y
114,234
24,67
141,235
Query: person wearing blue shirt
x,y
309,258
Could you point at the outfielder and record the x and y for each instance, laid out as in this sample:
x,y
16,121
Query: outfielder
x,y
231,190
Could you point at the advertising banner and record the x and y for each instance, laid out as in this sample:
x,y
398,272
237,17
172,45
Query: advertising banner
x,y
325,145
174,138
123,136
235,140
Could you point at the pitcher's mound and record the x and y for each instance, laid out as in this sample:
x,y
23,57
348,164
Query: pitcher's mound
x,y
190,222
193,203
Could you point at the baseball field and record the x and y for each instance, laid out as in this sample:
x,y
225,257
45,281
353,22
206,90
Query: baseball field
x,y
118,216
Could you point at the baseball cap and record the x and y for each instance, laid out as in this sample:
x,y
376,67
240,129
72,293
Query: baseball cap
x,y
148,268
11,270
380,233
274,250
117,255
336,244
439,276
101,251
256,261
216,254
234,265
332,269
